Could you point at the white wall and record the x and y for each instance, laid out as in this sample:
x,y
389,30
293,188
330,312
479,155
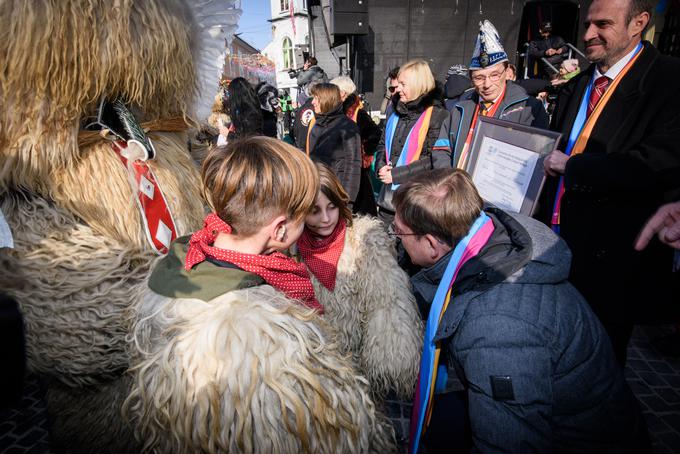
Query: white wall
x,y
282,27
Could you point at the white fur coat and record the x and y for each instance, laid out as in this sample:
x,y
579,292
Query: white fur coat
x,y
373,310
249,371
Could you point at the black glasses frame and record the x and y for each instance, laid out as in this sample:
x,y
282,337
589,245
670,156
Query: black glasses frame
x,y
392,231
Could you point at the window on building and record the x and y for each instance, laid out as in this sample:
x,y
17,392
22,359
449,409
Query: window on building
x,y
287,49
285,5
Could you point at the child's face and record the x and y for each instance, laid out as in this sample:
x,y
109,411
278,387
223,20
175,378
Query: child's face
x,y
324,216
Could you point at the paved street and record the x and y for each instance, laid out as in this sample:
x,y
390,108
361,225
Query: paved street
x,y
655,379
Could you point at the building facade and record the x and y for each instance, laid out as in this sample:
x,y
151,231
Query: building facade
x,y
290,30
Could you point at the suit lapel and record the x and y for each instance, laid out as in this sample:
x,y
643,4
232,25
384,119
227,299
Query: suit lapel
x,y
618,118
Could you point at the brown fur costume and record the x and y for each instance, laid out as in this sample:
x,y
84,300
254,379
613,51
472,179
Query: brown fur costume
x,y
81,258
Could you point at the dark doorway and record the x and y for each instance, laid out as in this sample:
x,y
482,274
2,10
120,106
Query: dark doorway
x,y
564,15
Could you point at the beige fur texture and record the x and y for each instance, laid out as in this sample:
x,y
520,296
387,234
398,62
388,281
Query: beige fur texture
x,y
74,287
58,58
373,310
249,371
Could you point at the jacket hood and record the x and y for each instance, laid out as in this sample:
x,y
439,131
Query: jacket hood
x,y
521,250
205,281
434,97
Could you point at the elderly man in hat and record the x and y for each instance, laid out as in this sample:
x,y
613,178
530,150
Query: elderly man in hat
x,y
492,96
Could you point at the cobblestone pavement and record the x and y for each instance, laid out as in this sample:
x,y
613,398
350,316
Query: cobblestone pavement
x,y
654,378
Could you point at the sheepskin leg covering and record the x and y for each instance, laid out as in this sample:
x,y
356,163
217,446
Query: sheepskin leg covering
x,y
373,310
74,287
249,371
88,419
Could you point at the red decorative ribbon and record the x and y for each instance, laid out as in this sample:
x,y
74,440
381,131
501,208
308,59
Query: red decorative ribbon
x,y
158,223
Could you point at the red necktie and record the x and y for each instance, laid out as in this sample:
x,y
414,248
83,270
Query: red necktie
x,y
599,87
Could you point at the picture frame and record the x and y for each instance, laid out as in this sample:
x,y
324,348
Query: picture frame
x,y
506,163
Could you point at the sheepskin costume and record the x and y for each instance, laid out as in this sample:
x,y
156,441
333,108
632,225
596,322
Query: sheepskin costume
x,y
232,365
373,310
81,256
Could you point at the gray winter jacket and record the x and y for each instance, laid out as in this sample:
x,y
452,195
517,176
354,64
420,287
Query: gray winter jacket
x,y
517,106
536,363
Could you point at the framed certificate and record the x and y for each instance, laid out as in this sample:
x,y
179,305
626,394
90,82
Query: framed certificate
x,y
506,163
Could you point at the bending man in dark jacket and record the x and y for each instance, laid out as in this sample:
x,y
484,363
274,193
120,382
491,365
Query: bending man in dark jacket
x,y
537,367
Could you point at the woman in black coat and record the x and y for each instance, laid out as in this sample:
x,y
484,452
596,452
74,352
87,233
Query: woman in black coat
x,y
333,139
415,94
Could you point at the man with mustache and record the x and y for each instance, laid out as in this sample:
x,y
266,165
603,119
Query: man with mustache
x,y
619,161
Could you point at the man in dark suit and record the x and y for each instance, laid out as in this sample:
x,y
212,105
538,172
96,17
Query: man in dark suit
x,y
620,121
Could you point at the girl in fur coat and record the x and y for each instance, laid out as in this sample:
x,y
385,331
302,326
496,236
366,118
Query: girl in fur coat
x,y
366,296
232,354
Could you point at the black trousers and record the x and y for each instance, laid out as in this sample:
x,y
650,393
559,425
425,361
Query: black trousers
x,y
449,428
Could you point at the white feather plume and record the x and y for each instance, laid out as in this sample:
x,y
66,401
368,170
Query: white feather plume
x,y
216,21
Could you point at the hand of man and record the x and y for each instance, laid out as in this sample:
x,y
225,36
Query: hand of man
x,y
550,52
555,163
558,51
385,174
665,224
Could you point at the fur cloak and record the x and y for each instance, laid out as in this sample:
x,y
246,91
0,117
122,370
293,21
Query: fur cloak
x,y
247,371
373,310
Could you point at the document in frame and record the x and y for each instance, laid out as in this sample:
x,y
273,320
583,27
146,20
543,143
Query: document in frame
x,y
503,173
506,163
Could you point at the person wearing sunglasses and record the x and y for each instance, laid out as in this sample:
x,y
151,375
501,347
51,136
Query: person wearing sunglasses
x,y
390,88
492,96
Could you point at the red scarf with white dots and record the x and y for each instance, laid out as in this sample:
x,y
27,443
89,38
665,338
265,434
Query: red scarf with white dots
x,y
277,269
322,256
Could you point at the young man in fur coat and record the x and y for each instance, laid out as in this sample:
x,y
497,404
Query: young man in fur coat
x,y
232,351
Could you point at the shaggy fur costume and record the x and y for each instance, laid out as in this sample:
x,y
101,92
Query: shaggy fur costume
x,y
235,374
248,371
81,257
373,310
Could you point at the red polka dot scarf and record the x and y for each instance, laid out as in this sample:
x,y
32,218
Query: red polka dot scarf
x,y
322,256
278,270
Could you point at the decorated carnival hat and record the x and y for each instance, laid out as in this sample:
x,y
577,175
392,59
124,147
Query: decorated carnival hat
x,y
488,50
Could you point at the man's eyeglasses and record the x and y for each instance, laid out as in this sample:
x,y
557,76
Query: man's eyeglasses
x,y
392,230
391,89
493,77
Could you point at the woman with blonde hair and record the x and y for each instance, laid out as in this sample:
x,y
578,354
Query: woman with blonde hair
x,y
333,139
366,296
231,351
416,137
